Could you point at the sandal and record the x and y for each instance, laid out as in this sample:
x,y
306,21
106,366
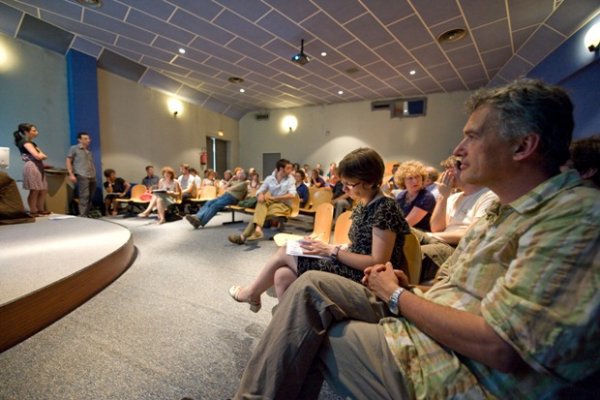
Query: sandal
x,y
236,239
234,292
255,236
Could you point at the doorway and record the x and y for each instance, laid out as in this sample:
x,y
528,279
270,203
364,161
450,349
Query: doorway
x,y
218,153
269,163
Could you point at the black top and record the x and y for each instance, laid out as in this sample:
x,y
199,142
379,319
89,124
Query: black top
x,y
118,185
425,201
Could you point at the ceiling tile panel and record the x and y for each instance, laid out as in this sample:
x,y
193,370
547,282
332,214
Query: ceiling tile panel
x,y
358,52
475,85
131,55
344,81
117,26
282,49
515,67
411,32
429,55
120,65
162,28
295,10
193,95
200,27
173,48
496,58
369,31
492,36
522,35
253,65
287,67
483,12
349,67
77,27
342,10
442,72
567,18
381,70
189,82
85,46
323,26
398,83
317,81
407,68
463,57
207,80
154,52
158,9
316,46
258,78
389,11
363,91
215,105
372,83
390,92
452,85
454,23
543,41
226,67
284,28
205,9
215,50
426,85
194,66
249,50
524,13
473,73
250,9
436,11
110,8
44,34
157,64
317,67
394,54
291,91
9,19
290,81
269,90
239,26
23,7
64,8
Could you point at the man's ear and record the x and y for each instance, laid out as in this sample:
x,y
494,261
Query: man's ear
x,y
526,146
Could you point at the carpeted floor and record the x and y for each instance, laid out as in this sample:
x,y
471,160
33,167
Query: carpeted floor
x,y
166,329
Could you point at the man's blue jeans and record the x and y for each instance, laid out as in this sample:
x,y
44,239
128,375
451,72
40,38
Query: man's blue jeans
x,y
212,207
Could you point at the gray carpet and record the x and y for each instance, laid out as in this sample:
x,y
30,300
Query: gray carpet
x,y
166,329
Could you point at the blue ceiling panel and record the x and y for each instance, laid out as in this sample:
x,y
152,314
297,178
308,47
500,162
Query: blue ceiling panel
x,y
325,27
389,11
44,34
242,28
250,9
411,32
158,9
342,10
90,31
200,27
119,27
205,9
159,81
162,28
215,50
87,47
284,28
9,19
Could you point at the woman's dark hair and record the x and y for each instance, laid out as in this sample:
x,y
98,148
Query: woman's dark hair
x,y
23,128
302,174
108,172
363,164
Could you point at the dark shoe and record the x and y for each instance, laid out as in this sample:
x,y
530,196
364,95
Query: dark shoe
x,y
236,239
195,221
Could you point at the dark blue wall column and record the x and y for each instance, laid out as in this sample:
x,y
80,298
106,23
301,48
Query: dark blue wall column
x,y
84,115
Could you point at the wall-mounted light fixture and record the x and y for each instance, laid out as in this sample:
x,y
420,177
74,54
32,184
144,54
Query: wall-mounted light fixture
x,y
289,123
220,133
592,38
175,107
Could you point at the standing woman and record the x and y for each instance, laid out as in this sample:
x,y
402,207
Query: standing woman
x,y
167,193
34,178
376,235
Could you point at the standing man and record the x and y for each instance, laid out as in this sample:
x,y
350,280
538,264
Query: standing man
x,y
273,199
82,172
516,310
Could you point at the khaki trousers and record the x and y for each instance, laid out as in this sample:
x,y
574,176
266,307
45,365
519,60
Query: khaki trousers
x,y
264,209
325,327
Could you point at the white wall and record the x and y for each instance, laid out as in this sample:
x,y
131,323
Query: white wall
x,y
327,133
33,88
137,129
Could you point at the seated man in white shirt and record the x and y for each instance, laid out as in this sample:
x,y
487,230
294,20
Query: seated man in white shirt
x,y
273,199
186,181
452,216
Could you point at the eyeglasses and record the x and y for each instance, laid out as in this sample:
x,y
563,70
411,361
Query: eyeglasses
x,y
350,185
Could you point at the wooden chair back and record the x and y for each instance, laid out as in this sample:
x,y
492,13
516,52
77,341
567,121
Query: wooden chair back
x,y
321,196
342,228
323,221
412,254
295,206
137,191
207,193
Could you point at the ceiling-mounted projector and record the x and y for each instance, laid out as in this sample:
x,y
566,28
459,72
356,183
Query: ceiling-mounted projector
x,y
301,58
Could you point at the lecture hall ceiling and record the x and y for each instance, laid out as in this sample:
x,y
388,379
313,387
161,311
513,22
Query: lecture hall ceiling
x,y
372,45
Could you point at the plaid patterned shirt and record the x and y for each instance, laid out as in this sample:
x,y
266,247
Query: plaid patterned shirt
x,y
532,270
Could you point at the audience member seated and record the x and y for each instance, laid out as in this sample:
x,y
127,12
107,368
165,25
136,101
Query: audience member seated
x,y
227,176
235,190
301,187
186,182
585,158
341,199
273,199
416,202
210,179
150,180
254,181
196,177
431,177
515,312
116,188
390,187
319,169
376,235
167,193
315,179
452,216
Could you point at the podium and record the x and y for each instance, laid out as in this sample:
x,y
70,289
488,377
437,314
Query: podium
x,y
57,199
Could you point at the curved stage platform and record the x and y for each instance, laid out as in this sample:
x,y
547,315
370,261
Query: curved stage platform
x,y
52,266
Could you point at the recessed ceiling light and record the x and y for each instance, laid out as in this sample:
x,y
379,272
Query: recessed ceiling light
x,y
340,92
242,90
182,51
323,54
412,72
91,3
453,35
235,79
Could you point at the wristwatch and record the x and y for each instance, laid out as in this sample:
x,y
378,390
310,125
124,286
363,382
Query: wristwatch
x,y
393,304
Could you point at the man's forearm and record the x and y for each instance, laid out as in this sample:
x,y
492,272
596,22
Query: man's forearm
x,y
438,216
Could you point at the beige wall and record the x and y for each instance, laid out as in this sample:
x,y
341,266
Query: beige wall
x,y
137,129
327,133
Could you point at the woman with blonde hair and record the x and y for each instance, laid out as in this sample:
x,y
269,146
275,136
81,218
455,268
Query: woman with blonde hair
x,y
415,200
166,194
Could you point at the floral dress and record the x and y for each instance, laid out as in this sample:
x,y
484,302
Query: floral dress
x,y
382,213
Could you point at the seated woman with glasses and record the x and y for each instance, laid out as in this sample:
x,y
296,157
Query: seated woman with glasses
x,y
376,235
